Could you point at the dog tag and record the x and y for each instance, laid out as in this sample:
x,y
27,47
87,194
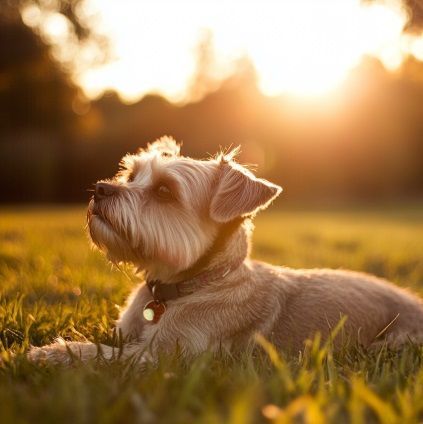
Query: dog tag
x,y
153,310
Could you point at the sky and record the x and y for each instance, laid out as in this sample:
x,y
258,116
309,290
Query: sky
x,y
302,47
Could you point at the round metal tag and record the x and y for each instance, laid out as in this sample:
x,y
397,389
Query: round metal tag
x,y
153,310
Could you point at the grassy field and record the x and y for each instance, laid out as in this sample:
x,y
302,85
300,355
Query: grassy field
x,y
52,283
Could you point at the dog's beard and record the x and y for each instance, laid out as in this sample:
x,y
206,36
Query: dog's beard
x,y
109,234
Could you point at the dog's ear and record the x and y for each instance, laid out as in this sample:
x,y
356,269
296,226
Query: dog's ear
x,y
239,193
166,146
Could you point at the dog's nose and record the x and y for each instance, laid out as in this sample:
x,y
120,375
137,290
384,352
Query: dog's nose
x,y
103,190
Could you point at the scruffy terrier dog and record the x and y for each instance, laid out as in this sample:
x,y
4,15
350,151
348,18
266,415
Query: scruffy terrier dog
x,y
187,223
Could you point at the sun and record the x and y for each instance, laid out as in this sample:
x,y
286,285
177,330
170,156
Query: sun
x,y
307,48
303,47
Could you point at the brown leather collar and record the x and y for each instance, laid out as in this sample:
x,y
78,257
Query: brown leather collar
x,y
163,292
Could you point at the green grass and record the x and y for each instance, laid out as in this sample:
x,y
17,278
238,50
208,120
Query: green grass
x,y
52,283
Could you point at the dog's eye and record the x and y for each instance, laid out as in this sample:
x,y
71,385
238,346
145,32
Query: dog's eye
x,y
131,177
163,192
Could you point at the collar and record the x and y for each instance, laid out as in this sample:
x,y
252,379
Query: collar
x,y
163,292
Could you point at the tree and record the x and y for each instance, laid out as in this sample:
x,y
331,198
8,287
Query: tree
x,y
414,9
35,92
36,87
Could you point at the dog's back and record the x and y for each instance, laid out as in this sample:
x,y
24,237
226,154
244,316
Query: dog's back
x,y
315,300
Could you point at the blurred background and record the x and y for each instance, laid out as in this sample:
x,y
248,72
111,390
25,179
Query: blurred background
x,y
325,97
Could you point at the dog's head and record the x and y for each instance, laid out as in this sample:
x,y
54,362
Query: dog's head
x,y
164,209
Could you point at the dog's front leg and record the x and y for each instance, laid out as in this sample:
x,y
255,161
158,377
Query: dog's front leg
x,y
67,353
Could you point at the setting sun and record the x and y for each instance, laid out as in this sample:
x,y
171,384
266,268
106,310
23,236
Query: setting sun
x,y
303,48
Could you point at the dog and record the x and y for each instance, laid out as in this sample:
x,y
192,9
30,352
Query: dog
x,y
187,224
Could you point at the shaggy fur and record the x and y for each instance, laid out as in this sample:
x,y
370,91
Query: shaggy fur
x,y
163,213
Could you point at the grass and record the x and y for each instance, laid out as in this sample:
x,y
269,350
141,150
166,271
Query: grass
x,y
52,284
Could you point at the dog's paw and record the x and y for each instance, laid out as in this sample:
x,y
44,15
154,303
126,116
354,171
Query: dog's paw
x,y
57,353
